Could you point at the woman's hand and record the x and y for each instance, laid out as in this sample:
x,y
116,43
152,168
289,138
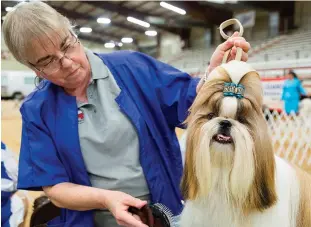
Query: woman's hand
x,y
118,203
79,197
233,42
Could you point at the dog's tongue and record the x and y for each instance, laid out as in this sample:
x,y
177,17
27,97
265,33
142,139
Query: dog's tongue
x,y
222,137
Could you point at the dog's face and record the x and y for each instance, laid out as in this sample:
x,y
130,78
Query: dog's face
x,y
228,144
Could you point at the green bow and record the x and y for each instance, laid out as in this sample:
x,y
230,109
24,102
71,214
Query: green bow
x,y
234,90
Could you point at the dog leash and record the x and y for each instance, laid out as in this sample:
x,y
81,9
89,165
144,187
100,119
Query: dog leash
x,y
225,24
239,52
236,68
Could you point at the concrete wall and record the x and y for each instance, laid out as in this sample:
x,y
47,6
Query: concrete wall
x,y
302,14
200,38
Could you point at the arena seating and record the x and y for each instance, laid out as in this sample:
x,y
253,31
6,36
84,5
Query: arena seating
x,y
271,58
292,50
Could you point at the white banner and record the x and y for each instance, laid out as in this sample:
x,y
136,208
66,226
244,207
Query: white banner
x,y
272,92
273,88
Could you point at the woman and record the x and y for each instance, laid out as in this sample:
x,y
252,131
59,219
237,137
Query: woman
x,y
99,134
292,90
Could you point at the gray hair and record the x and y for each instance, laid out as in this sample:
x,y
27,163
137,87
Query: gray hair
x,y
32,20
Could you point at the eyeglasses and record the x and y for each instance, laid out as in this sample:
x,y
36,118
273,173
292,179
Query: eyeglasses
x,y
54,64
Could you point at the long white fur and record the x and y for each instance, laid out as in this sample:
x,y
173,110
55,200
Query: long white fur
x,y
217,212
243,169
229,107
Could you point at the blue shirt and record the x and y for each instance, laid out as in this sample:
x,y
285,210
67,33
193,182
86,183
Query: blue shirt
x,y
292,89
155,97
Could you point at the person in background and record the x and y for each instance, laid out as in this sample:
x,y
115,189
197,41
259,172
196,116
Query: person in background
x,y
98,134
13,205
292,91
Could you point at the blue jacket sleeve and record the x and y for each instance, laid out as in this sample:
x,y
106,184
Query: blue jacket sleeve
x,y
39,164
176,90
177,93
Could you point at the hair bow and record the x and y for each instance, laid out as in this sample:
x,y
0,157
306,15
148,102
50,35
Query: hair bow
x,y
234,90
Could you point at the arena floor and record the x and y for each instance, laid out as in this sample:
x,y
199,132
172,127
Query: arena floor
x,y
11,131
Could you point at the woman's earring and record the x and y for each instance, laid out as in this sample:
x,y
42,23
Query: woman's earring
x,y
38,83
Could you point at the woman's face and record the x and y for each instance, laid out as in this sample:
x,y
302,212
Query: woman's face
x,y
290,76
61,60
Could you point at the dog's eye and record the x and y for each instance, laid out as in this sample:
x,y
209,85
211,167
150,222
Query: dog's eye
x,y
242,120
210,116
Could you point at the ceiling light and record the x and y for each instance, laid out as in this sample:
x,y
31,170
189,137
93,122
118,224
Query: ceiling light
x,y
103,20
139,22
85,29
110,45
120,44
232,1
8,9
223,1
217,1
173,8
151,33
126,40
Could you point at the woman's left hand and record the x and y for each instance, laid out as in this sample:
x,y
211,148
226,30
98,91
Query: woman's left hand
x,y
233,42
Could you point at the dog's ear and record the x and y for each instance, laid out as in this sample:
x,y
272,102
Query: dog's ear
x,y
189,183
263,192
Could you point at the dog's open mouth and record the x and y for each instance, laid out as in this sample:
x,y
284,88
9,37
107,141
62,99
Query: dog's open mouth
x,y
220,138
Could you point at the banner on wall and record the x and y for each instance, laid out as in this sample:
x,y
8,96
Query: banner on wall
x,y
247,19
273,87
272,92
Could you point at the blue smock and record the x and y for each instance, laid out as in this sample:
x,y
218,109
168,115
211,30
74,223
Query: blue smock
x,y
292,89
155,97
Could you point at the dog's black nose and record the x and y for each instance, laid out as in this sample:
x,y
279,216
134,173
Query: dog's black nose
x,y
225,124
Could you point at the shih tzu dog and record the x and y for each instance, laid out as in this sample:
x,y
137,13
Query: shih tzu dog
x,y
231,176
